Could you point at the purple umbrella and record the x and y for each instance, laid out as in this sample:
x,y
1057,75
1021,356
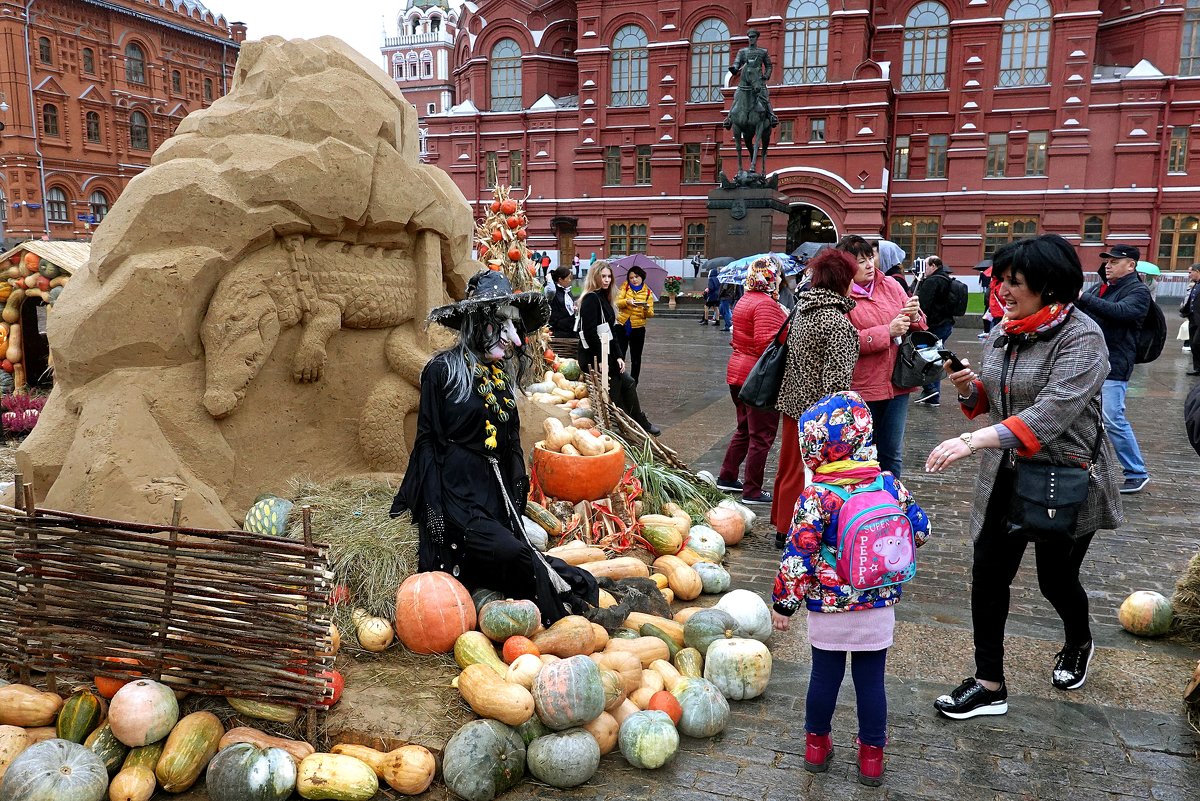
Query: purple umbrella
x,y
655,275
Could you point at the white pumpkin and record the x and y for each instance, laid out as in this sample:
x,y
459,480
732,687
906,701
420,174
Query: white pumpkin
x,y
707,543
713,577
523,670
751,612
535,534
740,668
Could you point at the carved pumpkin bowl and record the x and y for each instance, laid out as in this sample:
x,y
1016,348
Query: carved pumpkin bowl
x,y
578,478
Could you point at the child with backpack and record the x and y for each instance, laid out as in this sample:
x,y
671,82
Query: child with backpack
x,y
851,545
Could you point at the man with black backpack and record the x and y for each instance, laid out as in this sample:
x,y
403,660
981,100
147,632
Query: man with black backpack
x,y
943,298
1121,304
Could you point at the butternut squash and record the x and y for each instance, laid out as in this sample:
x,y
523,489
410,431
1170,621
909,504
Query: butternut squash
x,y
14,352
568,636
298,749
607,601
623,711
670,676
641,698
688,556
682,615
674,629
623,663
619,568
646,649
25,706
13,741
652,679
408,769
684,581
586,444
493,697
604,729
557,434
12,307
599,637
579,555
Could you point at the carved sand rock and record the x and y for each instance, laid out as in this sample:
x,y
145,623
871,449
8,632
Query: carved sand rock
x,y
254,304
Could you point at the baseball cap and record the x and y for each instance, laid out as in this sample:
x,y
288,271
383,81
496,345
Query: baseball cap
x,y
1122,252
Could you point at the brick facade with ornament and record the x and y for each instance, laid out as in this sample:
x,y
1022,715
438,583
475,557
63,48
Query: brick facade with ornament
x,y
88,90
950,127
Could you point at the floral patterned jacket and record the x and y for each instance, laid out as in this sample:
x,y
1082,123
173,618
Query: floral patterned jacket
x,y
805,573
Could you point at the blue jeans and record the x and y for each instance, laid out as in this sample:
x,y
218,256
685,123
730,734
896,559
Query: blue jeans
x,y
726,315
828,669
889,417
943,333
1120,433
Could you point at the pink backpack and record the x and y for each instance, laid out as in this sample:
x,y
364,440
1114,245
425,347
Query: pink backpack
x,y
875,545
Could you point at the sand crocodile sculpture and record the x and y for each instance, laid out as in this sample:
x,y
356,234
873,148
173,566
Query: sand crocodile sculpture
x,y
253,307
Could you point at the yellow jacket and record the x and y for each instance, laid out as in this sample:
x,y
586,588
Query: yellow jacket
x,y
637,314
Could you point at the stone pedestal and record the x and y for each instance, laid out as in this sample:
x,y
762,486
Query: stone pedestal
x,y
743,222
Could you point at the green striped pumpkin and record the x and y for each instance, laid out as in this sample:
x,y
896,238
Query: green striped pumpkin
x,y
648,739
500,620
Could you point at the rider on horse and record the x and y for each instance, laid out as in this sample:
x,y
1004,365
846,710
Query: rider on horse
x,y
753,67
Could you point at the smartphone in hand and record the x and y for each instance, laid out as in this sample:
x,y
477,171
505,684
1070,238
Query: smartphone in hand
x,y
952,357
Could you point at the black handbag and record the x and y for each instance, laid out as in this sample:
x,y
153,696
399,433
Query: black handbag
x,y
912,368
760,390
1047,497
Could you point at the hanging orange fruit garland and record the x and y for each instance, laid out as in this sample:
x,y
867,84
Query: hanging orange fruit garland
x,y
501,240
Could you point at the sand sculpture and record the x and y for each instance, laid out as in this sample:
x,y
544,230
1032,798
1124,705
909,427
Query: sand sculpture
x,y
254,304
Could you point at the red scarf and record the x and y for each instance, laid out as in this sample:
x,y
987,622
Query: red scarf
x,y
1044,319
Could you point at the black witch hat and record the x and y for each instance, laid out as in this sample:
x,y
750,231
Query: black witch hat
x,y
488,289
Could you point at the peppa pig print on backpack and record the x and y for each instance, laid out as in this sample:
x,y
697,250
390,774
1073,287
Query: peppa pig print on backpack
x,y
875,543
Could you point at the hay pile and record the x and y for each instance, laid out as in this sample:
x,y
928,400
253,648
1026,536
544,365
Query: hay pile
x,y
1186,602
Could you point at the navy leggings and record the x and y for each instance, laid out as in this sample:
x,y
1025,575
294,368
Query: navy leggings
x,y
828,668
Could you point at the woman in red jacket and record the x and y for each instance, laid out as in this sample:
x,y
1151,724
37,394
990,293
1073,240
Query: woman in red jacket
x,y
756,319
883,313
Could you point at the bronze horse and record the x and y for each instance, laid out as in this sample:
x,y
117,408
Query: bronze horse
x,y
750,123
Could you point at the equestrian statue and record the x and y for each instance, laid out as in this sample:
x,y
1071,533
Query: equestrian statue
x,y
751,118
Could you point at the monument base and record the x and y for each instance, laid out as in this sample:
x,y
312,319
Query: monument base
x,y
743,222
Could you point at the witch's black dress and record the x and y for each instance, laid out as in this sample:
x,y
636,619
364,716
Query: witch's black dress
x,y
466,527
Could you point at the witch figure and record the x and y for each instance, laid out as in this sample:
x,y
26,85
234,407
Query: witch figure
x,y
466,483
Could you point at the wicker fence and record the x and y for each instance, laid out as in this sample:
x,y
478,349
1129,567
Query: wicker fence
x,y
210,612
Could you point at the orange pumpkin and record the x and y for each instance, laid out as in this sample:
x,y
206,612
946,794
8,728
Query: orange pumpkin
x,y
664,701
508,206
514,222
32,262
517,645
432,611
522,234
514,254
578,478
495,207
108,686
497,235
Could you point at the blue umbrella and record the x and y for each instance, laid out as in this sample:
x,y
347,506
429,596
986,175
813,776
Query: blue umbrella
x,y
735,272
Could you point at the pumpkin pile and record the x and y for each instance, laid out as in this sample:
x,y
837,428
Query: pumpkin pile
x,y
27,276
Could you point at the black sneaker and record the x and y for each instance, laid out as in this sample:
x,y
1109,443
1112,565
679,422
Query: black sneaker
x,y
1133,485
1071,666
930,399
653,430
704,322
729,486
760,498
780,541
970,699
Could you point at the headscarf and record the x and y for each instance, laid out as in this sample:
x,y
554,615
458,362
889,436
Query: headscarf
x,y
836,436
762,276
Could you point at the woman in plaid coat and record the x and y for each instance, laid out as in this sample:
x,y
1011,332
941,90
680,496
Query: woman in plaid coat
x,y
1043,368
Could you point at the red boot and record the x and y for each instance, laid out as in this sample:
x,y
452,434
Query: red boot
x,y
870,764
818,750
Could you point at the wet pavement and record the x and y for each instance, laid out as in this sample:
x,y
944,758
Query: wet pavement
x,y
1123,735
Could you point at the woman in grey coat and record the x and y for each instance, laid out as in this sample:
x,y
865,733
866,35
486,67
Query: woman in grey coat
x,y
1043,369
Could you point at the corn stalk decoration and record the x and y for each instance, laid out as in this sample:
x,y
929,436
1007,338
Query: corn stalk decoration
x,y
501,240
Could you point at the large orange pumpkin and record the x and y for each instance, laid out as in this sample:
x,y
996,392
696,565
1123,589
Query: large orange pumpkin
x,y
578,478
432,611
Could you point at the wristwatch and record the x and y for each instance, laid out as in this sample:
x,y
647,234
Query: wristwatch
x,y
966,438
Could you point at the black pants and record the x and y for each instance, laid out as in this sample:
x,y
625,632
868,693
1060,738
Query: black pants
x,y
997,558
622,389
1194,332
632,344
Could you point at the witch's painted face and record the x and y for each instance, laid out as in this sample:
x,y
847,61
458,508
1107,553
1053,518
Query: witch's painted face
x,y
502,334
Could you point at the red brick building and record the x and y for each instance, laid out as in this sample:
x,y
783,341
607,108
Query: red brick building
x,y
949,126
88,90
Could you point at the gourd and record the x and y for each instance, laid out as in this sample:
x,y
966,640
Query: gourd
x,y
298,749
483,759
667,672
500,620
245,772
25,706
493,697
576,553
104,744
683,615
374,633
705,710
568,636
39,734
12,307
143,712
648,740
729,523
641,697
523,670
707,626
599,638
564,759
627,665
557,434
614,688
264,710
55,770
714,579
189,747
474,648
739,668
751,612
646,649
706,543
664,538
518,646
568,693
483,597
625,634
334,776
689,662
669,627
14,352
683,521
668,520
664,701
432,611
651,630
542,516
135,783
408,769
604,730
652,680
80,714
13,741
688,556
619,568
681,578
1146,614
748,515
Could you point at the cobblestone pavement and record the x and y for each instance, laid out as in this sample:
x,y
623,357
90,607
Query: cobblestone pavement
x,y
1123,735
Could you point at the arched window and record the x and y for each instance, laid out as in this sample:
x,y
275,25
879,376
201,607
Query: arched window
x,y
57,209
135,63
926,34
208,89
1025,46
92,126
139,131
176,82
50,119
630,66
710,60
45,52
426,64
506,76
435,24
89,61
416,25
806,43
1189,54
99,205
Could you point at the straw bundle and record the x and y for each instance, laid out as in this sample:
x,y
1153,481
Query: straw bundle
x,y
1186,601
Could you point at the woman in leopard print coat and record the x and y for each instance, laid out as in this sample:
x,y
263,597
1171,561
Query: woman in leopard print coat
x,y
822,351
